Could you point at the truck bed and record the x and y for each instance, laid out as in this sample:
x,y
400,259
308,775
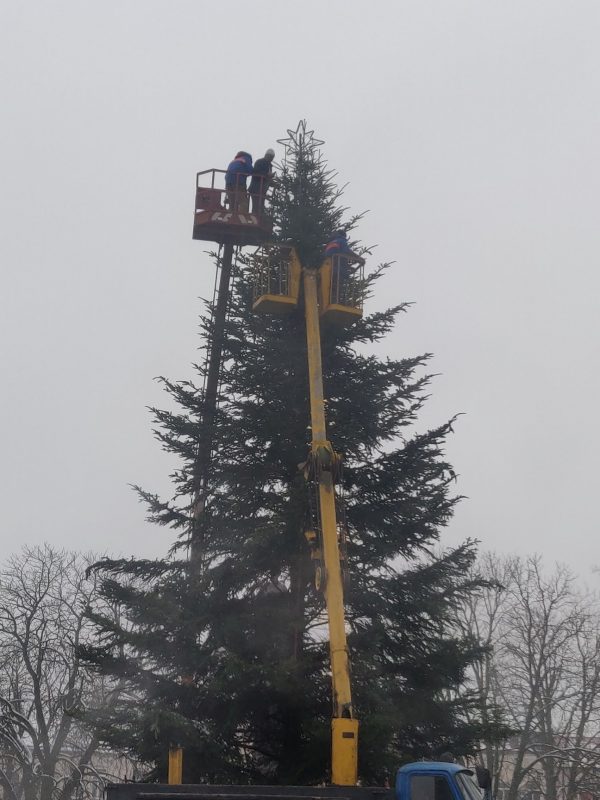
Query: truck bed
x,y
200,791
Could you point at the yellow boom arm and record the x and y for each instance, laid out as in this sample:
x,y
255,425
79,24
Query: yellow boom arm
x,y
344,739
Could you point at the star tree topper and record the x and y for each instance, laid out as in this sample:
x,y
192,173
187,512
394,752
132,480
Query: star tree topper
x,y
300,139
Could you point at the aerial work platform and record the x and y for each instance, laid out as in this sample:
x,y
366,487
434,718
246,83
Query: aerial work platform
x,y
277,271
341,289
223,215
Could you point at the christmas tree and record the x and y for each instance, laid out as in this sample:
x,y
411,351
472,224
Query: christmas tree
x,y
227,655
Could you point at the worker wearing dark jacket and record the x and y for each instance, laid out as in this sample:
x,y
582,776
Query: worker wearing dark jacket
x,y
262,176
235,181
342,282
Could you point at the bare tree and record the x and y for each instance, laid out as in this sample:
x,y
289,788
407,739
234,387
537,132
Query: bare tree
x,y
482,615
45,752
543,672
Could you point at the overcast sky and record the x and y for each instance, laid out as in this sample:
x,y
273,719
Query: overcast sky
x,y
471,132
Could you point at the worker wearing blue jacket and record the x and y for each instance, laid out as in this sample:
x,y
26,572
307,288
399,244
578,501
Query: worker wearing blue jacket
x,y
235,181
337,245
342,269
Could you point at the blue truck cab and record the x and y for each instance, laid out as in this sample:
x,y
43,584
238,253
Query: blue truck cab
x,y
437,780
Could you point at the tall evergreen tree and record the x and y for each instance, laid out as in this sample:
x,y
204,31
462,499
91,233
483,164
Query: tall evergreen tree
x,y
229,658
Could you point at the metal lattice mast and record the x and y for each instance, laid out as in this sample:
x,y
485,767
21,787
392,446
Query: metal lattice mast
x,y
209,406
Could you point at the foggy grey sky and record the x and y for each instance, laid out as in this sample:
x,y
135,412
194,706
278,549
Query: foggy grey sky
x,y
470,130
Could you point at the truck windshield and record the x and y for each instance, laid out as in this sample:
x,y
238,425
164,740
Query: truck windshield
x,y
430,787
469,788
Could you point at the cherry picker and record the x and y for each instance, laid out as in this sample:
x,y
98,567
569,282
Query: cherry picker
x,y
278,273
216,221
334,299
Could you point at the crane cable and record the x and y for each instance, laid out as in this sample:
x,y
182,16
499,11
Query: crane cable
x,y
197,489
200,491
208,344
235,271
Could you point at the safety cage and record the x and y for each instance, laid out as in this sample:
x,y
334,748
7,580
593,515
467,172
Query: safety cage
x,y
341,289
229,216
277,271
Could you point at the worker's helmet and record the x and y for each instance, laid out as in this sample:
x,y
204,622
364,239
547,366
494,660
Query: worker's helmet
x,y
270,154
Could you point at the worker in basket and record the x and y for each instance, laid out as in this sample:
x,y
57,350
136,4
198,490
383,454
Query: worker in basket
x,y
262,177
235,181
344,264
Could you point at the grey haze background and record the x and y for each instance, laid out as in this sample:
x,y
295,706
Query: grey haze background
x,y
469,129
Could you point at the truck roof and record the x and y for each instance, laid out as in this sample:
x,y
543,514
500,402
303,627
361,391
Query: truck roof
x,y
434,766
